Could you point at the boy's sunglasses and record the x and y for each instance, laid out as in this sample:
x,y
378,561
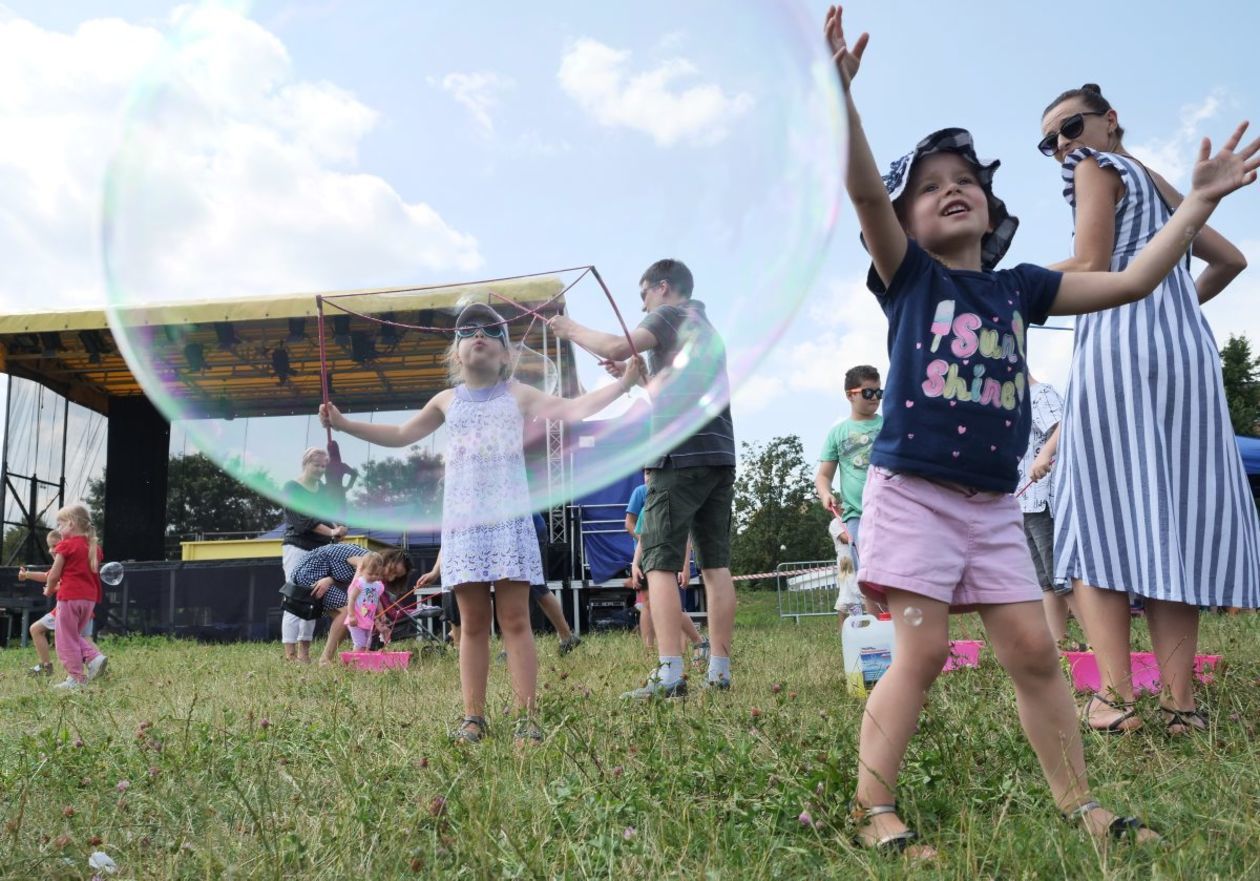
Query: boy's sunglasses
x,y
496,332
1071,128
871,394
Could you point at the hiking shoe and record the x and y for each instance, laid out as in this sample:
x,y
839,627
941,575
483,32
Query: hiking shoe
x,y
40,670
70,684
655,688
528,732
717,684
96,666
570,644
471,730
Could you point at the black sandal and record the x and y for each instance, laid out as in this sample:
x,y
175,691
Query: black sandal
x,y
1116,726
471,730
1119,827
1192,721
890,844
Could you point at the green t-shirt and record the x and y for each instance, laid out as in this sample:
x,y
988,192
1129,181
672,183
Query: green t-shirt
x,y
849,445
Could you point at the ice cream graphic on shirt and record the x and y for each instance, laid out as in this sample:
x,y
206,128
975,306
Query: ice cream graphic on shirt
x,y
980,365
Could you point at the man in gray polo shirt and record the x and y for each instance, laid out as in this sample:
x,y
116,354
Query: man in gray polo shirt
x,y
693,484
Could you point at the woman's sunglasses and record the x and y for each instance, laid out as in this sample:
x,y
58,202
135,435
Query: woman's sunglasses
x,y
1071,128
496,332
871,394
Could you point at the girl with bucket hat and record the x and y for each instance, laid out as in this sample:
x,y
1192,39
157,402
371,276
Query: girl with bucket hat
x,y
940,530
487,530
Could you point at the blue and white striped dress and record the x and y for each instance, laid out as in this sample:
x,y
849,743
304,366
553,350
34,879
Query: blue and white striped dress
x,y
1150,495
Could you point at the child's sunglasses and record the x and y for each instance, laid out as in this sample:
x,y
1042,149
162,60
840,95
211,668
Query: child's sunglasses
x,y
871,394
497,332
1071,128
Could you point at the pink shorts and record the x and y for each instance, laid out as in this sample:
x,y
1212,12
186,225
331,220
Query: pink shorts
x,y
964,548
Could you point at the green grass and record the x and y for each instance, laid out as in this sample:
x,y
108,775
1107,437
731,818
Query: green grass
x,y
237,765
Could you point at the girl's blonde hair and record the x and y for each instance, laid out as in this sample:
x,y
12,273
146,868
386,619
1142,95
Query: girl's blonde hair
x,y
371,562
79,515
845,564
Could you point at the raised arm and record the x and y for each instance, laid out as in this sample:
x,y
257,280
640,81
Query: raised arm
x,y
1214,178
418,427
885,238
1224,261
606,345
539,405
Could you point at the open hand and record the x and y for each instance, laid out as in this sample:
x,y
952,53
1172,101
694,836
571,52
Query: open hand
x,y
847,60
1232,168
427,578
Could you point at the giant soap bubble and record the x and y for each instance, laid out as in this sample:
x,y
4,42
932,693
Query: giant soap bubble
x,y
274,153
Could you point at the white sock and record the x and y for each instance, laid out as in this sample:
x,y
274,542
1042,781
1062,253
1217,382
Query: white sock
x,y
719,668
670,670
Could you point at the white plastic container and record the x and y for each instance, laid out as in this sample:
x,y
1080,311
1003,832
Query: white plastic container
x,y
867,643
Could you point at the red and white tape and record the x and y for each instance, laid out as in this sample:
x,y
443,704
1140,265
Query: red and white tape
x,y
786,572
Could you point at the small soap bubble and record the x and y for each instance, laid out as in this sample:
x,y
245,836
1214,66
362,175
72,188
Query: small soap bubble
x,y
112,573
913,616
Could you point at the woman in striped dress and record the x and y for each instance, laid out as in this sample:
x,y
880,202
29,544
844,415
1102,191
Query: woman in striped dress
x,y
1150,493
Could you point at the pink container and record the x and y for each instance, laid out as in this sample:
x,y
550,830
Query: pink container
x,y
1085,677
376,660
963,653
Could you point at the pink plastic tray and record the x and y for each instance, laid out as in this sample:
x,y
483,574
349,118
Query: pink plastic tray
x,y
1084,667
963,653
376,660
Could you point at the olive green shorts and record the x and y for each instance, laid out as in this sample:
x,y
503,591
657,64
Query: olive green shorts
x,y
682,501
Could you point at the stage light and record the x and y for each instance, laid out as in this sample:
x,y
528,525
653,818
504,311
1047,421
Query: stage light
x,y
362,347
297,330
226,334
341,330
280,365
50,344
195,355
94,344
390,335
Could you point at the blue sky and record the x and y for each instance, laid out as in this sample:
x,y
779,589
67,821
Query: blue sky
x,y
388,143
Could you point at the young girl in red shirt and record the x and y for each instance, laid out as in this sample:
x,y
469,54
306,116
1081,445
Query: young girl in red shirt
x,y
75,579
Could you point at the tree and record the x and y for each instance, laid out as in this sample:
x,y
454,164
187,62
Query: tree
x,y
409,488
1241,372
777,518
201,498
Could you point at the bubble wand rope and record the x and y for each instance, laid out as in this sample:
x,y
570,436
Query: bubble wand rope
x,y
323,359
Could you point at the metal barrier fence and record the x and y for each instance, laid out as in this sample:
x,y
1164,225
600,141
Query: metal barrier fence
x,y
806,589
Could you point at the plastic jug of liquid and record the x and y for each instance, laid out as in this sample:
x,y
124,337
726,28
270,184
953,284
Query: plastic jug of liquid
x,y
867,644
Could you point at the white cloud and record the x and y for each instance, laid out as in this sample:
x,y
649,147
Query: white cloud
x,y
478,93
236,178
657,102
1173,156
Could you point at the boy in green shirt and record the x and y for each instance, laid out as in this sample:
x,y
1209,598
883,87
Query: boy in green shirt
x,y
848,449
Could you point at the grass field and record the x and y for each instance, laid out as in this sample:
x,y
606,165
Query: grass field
x,y
191,761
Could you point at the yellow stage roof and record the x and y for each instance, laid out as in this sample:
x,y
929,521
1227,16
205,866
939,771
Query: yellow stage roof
x,y
218,358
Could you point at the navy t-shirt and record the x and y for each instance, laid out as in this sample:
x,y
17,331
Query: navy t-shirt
x,y
955,402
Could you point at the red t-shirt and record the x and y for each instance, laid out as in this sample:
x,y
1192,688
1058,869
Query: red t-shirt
x,y
78,581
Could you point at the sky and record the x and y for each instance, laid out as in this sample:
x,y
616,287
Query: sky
x,y
270,148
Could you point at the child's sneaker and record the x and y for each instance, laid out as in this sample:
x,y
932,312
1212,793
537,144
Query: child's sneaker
x,y
70,684
40,670
96,666
654,687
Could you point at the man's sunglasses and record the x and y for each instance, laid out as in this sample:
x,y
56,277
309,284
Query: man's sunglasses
x,y
871,394
1071,128
496,332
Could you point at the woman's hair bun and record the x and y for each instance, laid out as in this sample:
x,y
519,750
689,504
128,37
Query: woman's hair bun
x,y
1091,87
